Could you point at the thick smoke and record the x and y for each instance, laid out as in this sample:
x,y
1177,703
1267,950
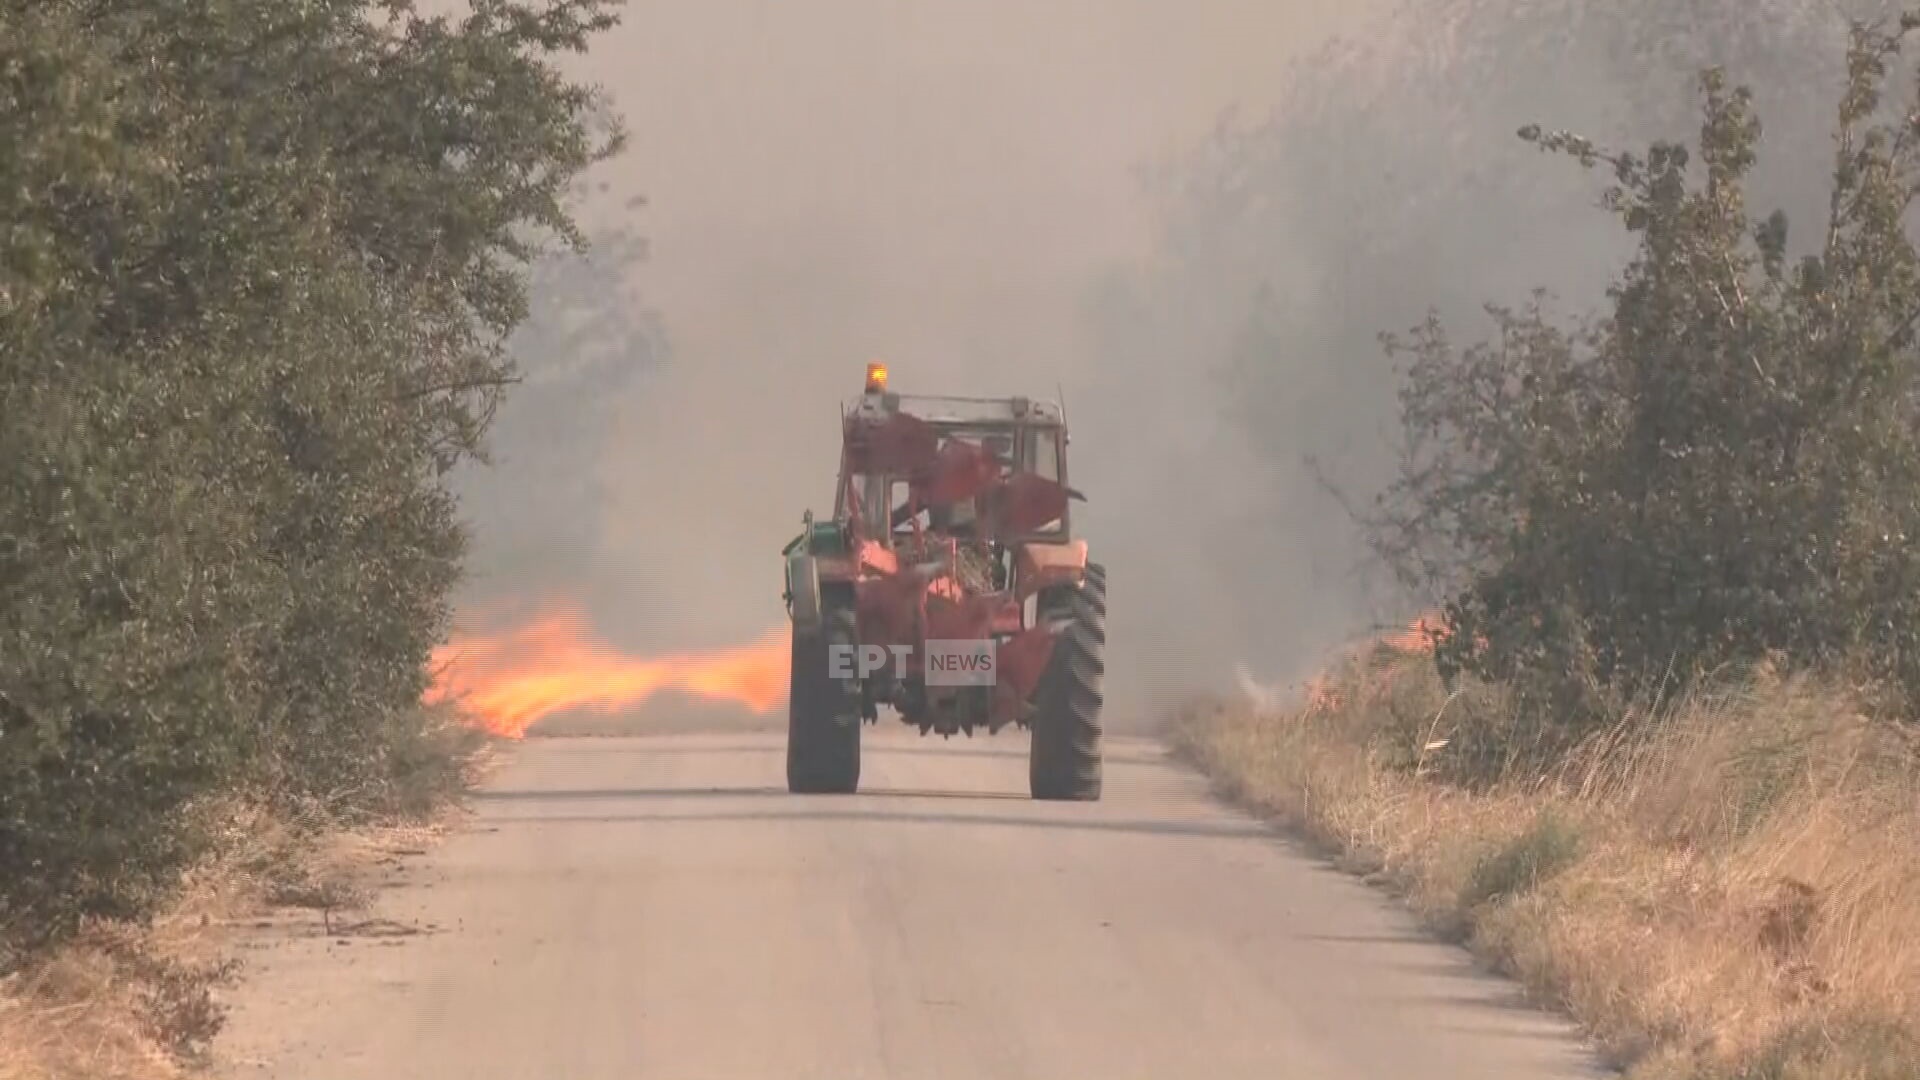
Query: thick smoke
x,y
539,506
936,185
1193,218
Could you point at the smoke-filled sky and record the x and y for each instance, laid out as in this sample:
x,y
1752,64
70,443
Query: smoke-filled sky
x,y
999,197
937,184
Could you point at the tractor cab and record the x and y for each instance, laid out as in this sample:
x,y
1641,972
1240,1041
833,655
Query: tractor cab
x,y
988,469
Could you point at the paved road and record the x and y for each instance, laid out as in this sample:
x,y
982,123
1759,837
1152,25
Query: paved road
x,y
661,908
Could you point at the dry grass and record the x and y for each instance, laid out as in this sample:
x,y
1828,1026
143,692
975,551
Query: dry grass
x,y
142,1002
1729,889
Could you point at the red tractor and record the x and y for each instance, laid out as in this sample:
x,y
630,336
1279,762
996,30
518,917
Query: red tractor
x,y
948,585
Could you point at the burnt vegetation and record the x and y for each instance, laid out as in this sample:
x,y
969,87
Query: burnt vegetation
x,y
259,265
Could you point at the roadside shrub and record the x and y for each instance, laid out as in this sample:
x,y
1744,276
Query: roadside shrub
x,y
1722,467
260,262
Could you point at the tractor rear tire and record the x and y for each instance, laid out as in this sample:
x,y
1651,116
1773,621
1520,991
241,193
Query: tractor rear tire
x,y
823,714
1064,763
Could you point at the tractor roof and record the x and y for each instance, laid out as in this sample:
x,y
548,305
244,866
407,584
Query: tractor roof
x,y
958,410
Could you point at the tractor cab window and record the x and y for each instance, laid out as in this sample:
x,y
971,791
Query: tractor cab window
x,y
873,503
1043,454
867,496
898,519
1043,459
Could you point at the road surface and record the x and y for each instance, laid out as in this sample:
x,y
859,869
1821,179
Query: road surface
x,y
661,908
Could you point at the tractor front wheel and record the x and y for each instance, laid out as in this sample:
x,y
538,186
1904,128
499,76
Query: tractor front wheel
x,y
1064,763
823,713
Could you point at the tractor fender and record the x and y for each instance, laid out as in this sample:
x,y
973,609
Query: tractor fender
x,y
1042,566
803,592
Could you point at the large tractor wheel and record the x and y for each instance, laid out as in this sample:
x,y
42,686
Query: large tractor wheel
x,y
823,714
1065,760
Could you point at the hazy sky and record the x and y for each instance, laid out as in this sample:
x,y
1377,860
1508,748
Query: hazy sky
x,y
939,184
955,187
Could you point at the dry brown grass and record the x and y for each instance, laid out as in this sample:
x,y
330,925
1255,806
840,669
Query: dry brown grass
x,y
131,1002
1729,889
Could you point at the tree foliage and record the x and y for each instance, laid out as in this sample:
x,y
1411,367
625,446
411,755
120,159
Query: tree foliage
x,y
1384,181
1723,465
258,265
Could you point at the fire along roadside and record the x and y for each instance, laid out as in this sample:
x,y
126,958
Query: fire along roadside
x,y
961,662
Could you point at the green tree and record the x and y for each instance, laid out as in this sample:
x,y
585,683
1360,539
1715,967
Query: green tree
x,y
259,263
1383,181
1722,466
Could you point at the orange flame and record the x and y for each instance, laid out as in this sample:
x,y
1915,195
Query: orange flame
x,y
1418,637
508,682
1416,640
